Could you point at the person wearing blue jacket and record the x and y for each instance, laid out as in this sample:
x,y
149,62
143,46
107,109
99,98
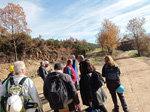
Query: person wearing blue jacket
x,y
74,65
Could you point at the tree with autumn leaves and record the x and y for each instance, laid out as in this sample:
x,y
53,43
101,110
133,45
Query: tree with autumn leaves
x,y
12,23
108,37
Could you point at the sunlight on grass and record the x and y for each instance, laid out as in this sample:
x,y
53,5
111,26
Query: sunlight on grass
x,y
142,57
133,53
96,50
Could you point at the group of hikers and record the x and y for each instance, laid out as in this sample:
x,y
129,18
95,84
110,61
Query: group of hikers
x,y
19,94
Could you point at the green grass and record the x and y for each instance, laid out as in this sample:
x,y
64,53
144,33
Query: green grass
x,y
96,50
142,57
97,59
133,53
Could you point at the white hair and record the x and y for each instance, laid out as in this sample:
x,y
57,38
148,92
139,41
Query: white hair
x,y
18,67
72,56
46,62
81,56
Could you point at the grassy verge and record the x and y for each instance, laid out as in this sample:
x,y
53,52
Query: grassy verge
x,y
96,50
97,60
142,57
133,53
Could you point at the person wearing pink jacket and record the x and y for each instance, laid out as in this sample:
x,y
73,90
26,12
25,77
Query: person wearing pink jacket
x,y
70,71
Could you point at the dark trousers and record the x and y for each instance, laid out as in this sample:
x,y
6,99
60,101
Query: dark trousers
x,y
101,107
70,108
112,90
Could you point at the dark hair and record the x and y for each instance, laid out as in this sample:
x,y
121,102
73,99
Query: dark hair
x,y
58,66
69,61
87,67
42,62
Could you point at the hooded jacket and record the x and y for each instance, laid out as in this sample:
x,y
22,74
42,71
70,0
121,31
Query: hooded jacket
x,y
28,88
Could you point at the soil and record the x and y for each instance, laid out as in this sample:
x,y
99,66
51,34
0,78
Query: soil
x,y
134,77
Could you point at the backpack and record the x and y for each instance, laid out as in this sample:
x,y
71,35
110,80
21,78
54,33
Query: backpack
x,y
57,92
65,69
112,73
14,96
97,80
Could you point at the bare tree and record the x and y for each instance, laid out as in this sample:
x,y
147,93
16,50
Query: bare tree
x,y
136,32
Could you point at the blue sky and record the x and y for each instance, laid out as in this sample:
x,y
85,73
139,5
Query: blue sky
x,y
81,19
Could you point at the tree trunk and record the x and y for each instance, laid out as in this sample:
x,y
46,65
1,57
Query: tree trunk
x,y
110,51
15,49
102,48
138,46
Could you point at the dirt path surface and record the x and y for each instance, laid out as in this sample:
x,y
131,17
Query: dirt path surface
x,y
135,78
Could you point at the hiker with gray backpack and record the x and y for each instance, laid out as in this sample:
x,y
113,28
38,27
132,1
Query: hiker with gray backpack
x,y
18,93
91,90
111,72
60,91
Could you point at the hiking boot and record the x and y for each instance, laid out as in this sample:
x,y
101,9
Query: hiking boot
x,y
127,110
115,110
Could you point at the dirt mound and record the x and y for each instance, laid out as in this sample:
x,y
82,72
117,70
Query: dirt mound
x,y
33,63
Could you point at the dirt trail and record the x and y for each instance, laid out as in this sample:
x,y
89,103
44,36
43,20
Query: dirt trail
x,y
135,78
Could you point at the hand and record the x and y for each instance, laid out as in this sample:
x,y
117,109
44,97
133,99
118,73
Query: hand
x,y
90,104
78,107
41,110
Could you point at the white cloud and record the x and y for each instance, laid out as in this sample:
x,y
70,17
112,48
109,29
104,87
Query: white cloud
x,y
83,18
32,11
122,20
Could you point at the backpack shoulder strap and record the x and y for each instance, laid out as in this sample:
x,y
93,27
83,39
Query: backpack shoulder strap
x,y
12,81
22,80
7,83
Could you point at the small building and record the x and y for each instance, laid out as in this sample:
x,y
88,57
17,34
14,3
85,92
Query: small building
x,y
126,45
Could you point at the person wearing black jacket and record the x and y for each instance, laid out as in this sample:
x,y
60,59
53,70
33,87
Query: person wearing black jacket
x,y
11,70
89,95
42,71
80,60
72,93
111,72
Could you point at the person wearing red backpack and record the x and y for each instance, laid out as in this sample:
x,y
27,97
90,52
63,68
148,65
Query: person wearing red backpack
x,y
70,71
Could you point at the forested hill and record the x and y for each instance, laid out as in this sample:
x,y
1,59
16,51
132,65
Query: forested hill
x,y
40,49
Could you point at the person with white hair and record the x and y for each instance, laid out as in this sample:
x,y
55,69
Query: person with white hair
x,y
80,60
47,67
32,102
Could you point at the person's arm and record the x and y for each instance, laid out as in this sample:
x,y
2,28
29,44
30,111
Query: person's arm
x,y
68,71
103,72
0,83
118,69
72,90
88,88
45,89
34,94
3,89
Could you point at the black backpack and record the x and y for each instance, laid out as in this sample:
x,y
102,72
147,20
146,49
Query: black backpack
x,y
112,73
57,93
97,80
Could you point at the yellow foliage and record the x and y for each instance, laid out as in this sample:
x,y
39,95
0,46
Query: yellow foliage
x,y
108,36
13,20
